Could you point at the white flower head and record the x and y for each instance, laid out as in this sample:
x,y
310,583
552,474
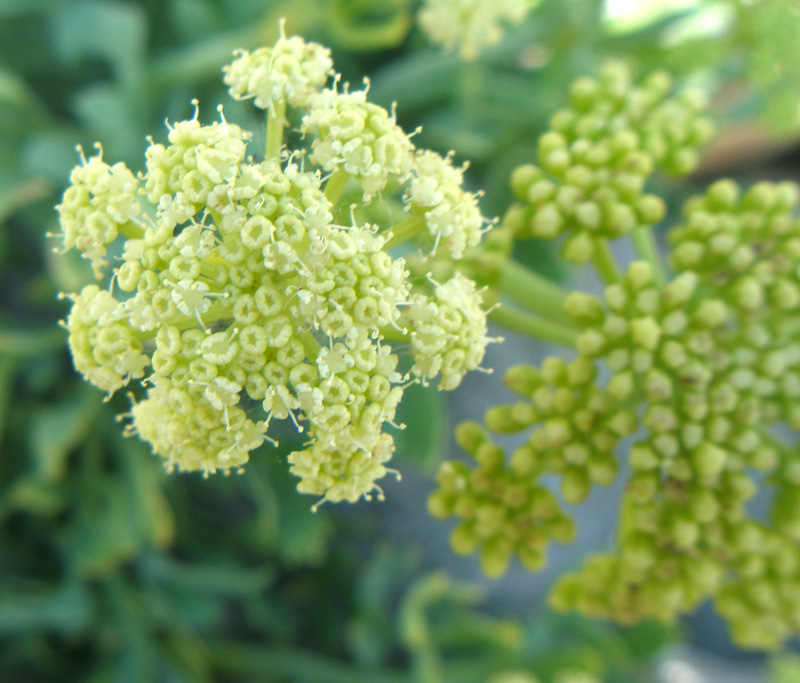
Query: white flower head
x,y
357,137
468,26
452,215
289,72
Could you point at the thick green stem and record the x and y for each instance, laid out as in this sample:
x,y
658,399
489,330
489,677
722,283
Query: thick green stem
x,y
335,186
647,249
604,260
275,122
534,292
405,230
532,326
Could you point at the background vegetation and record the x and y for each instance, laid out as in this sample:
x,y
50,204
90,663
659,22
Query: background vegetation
x,y
109,569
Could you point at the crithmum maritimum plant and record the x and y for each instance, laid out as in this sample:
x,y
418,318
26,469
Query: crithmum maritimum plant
x,y
251,287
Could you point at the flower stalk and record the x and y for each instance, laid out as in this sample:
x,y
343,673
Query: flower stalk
x,y
534,326
533,291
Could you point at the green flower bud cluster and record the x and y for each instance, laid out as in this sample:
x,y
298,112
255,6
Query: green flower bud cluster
x,y
702,372
503,510
241,298
469,26
711,371
576,426
746,244
597,156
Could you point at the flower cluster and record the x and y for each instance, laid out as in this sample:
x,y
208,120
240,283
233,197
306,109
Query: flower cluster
x,y
240,298
99,205
448,332
504,510
436,192
360,138
469,26
699,372
287,73
597,156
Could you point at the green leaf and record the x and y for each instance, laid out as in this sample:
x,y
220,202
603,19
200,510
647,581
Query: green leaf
x,y
20,109
303,535
110,114
33,495
98,29
424,413
7,371
383,578
152,514
220,579
130,619
194,19
51,155
104,534
18,195
12,8
243,661
31,342
188,654
56,430
64,610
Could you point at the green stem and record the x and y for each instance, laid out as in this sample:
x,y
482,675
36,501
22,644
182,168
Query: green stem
x,y
275,124
532,326
625,522
604,260
393,334
335,186
261,663
311,345
534,292
646,248
405,230
131,231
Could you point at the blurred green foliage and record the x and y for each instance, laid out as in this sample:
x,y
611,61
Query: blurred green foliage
x,y
111,571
